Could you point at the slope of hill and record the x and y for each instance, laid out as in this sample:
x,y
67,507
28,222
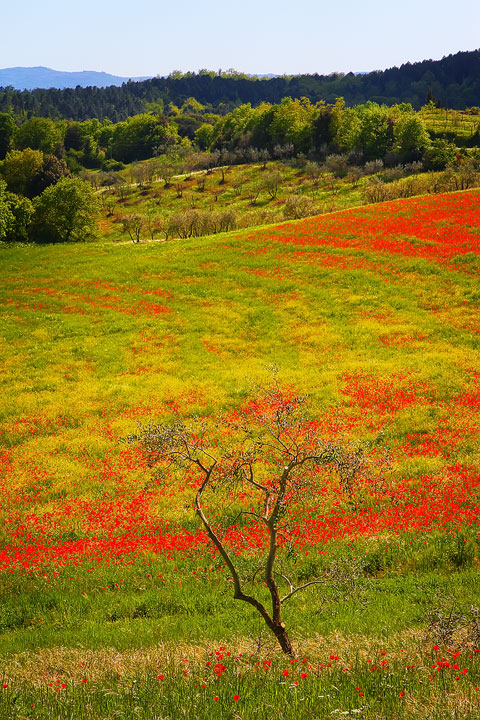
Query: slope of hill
x,y
30,78
374,312
453,81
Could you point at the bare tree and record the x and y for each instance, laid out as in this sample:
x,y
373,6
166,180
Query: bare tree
x,y
374,190
166,171
264,157
237,185
133,226
255,191
272,180
275,457
212,160
109,202
153,222
354,175
298,206
122,189
139,174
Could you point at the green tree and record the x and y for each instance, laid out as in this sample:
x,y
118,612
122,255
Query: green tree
x,y
293,123
19,169
65,212
410,137
344,128
52,170
139,136
439,154
6,216
39,133
191,105
204,136
22,211
73,137
375,137
7,133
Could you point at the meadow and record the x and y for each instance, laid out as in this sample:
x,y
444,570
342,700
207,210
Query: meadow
x,y
113,602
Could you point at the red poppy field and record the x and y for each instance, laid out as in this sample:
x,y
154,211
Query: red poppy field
x,y
372,312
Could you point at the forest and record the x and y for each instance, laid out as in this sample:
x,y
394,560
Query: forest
x,y
451,82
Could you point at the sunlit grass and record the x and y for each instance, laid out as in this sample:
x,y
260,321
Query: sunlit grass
x,y
99,337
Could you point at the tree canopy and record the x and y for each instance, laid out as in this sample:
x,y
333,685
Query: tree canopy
x,y
65,212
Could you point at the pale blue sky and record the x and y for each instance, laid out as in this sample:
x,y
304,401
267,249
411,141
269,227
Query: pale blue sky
x,y
151,37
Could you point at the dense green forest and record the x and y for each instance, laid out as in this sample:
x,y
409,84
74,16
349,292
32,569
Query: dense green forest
x,y
365,132
451,82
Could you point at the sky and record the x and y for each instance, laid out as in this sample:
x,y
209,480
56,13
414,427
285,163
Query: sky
x,y
155,37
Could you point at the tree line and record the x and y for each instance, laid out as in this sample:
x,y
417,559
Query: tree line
x,y
291,127
451,82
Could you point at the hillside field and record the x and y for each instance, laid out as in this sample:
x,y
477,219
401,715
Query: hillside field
x,y
113,603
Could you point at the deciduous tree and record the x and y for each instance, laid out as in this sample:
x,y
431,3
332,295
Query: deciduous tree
x,y
65,212
39,133
20,167
269,456
133,226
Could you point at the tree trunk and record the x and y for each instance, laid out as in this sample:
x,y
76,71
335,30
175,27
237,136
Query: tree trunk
x,y
283,639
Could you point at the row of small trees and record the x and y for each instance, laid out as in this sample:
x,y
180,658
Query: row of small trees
x,y
376,181
186,224
379,188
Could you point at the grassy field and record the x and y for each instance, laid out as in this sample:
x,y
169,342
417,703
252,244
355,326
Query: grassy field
x,y
458,125
113,603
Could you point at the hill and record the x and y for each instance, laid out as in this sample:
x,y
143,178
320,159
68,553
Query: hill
x,y
374,312
30,78
453,82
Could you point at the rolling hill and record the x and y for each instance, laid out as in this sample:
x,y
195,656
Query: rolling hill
x,y
113,600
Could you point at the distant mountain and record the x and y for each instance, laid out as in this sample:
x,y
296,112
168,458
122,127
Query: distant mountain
x,y
30,78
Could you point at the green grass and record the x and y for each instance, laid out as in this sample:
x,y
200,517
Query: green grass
x,y
98,337
457,125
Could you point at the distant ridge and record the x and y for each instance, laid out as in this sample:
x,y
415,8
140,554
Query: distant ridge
x,y
453,82
31,78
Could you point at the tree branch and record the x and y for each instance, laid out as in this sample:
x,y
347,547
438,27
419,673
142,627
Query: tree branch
x,y
302,587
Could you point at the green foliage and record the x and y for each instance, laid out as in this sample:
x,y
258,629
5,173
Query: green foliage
x,y
204,136
139,137
52,170
39,133
411,138
65,212
7,133
22,211
454,78
292,123
375,134
20,167
439,154
6,215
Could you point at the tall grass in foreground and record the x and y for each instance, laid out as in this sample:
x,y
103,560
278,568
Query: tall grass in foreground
x,y
224,684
